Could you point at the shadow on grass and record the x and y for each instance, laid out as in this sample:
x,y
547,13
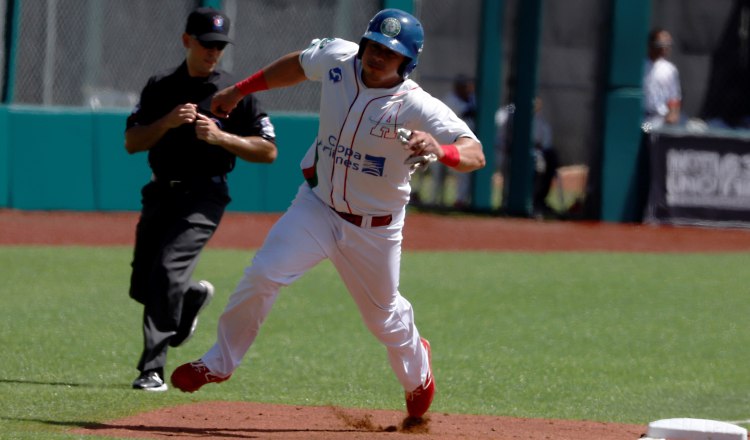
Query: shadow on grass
x,y
64,384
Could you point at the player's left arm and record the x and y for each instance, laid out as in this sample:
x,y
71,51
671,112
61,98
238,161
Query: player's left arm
x,y
674,101
465,154
248,148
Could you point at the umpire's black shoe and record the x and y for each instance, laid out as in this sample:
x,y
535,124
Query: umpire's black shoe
x,y
194,302
150,380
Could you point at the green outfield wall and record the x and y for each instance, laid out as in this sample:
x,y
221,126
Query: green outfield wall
x,y
75,159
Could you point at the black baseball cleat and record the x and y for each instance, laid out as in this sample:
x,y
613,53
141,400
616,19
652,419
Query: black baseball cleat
x,y
194,302
150,380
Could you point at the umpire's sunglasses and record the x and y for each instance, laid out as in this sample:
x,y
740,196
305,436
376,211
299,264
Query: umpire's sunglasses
x,y
212,44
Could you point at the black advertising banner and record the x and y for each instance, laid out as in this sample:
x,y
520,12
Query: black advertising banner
x,y
698,179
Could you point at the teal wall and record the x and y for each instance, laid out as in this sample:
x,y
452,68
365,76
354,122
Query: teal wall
x,y
75,159
4,158
51,159
489,68
623,170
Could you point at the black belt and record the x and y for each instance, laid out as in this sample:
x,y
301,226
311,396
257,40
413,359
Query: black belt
x,y
176,183
356,220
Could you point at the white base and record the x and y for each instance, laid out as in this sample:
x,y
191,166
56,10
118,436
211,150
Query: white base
x,y
694,429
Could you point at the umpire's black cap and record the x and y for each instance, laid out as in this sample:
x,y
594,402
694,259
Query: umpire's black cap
x,y
208,24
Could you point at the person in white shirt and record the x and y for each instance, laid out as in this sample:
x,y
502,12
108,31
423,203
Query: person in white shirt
x,y
662,95
351,207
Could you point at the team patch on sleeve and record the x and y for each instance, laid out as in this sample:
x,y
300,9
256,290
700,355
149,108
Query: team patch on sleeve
x,y
266,128
324,42
318,43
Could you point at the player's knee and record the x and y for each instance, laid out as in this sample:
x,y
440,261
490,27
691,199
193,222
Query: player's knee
x,y
391,327
263,274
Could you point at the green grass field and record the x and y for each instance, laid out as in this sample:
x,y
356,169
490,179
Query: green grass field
x,y
626,338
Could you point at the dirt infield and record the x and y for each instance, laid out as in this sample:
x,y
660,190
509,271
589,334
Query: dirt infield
x,y
245,420
422,232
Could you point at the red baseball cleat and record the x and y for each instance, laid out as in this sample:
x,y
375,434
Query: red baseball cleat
x,y
419,400
191,376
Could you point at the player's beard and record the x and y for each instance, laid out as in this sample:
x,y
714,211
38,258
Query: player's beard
x,y
374,75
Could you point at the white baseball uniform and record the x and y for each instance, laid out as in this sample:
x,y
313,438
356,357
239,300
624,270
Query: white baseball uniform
x,y
355,167
661,85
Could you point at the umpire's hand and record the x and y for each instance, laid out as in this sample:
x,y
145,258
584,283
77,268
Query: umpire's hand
x,y
181,114
207,130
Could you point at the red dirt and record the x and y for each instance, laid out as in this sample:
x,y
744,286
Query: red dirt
x,y
245,420
422,231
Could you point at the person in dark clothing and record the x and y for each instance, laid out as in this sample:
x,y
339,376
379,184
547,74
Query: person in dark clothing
x,y
546,159
190,152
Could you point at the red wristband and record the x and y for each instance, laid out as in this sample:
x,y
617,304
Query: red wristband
x,y
451,157
253,83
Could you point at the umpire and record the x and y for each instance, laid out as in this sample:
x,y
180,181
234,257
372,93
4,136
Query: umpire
x,y
190,152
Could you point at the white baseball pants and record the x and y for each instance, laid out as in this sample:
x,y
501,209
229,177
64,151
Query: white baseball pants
x,y
368,261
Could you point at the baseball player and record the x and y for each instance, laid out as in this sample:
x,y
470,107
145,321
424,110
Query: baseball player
x,y
190,152
351,207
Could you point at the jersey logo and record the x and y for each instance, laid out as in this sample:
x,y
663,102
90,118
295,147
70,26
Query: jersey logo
x,y
386,125
335,75
323,42
373,165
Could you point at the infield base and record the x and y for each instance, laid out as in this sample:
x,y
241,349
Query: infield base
x,y
694,429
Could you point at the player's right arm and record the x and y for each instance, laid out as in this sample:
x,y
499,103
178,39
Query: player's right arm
x,y
284,72
143,137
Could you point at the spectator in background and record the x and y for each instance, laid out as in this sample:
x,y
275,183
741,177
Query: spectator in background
x,y
546,160
462,100
662,95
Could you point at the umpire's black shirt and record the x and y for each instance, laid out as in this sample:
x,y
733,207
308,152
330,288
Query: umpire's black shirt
x,y
179,154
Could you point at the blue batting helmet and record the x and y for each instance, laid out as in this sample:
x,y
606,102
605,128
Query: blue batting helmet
x,y
399,31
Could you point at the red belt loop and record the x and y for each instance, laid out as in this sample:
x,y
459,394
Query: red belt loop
x,y
383,220
356,220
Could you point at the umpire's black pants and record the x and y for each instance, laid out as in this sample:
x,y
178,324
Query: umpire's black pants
x,y
543,178
176,222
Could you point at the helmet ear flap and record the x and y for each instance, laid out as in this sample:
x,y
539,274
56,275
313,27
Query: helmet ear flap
x,y
405,68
